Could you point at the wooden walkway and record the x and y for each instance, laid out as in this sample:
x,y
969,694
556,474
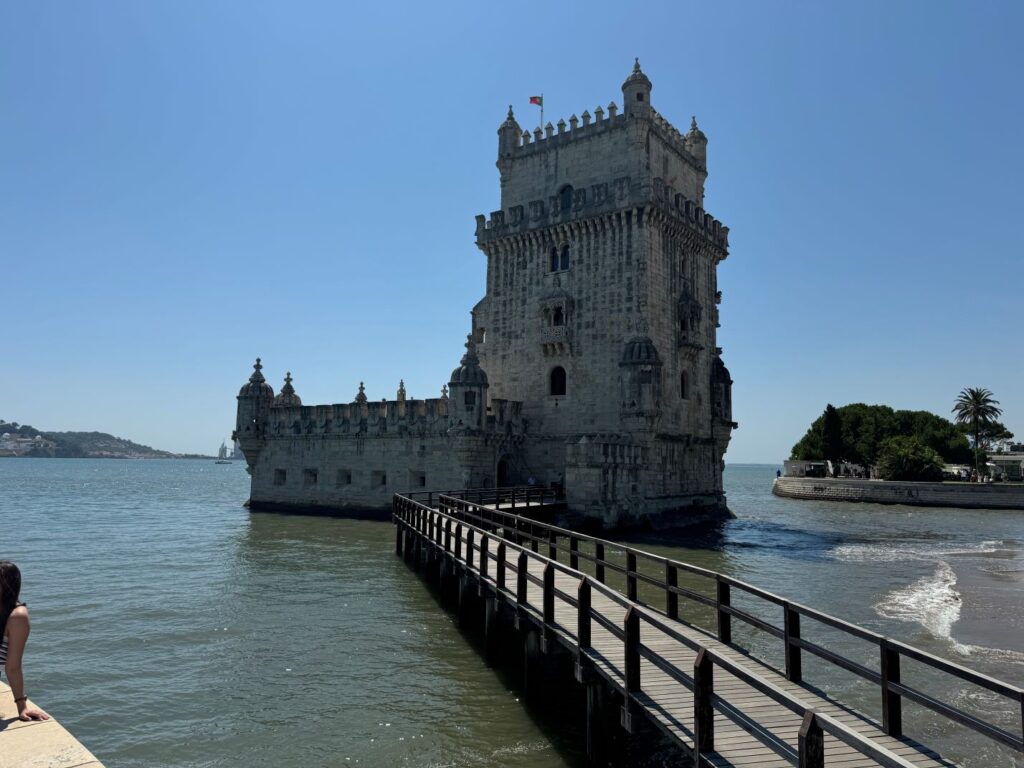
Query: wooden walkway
x,y
697,687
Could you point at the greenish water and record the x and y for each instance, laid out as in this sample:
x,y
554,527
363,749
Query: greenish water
x,y
173,628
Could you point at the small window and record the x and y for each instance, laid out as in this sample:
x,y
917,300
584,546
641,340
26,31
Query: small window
x,y
565,198
554,259
558,316
639,97
378,479
417,478
469,398
557,381
684,386
344,477
280,477
309,476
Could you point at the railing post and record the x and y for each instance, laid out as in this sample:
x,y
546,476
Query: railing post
x,y
811,743
574,553
892,702
448,534
458,540
599,558
483,556
791,637
513,501
583,615
631,576
469,548
552,545
500,569
632,660
521,566
703,711
430,499
671,598
549,594
724,619
398,540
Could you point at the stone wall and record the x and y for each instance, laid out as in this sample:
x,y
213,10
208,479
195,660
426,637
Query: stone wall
x,y
968,496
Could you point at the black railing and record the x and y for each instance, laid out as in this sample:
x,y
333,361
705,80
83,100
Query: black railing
x,y
445,529
890,652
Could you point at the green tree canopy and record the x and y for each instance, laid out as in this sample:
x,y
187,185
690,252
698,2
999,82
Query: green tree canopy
x,y
908,458
864,428
976,407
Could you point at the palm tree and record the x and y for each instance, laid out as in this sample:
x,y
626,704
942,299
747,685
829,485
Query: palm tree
x,y
976,407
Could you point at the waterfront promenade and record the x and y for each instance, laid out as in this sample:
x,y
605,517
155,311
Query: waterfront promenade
x,y
643,667
37,743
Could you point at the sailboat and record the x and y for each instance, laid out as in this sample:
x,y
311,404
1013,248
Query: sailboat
x,y
222,454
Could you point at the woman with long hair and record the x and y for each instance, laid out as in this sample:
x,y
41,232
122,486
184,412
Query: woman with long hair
x,y
14,629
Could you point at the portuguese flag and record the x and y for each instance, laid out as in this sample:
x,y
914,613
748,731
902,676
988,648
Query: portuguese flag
x,y
538,100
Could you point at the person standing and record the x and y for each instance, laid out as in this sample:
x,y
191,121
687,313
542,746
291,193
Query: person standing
x,y
14,629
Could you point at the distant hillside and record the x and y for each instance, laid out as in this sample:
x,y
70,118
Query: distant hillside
x,y
23,440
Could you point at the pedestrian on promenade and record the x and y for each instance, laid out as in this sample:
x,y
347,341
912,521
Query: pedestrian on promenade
x,y
14,629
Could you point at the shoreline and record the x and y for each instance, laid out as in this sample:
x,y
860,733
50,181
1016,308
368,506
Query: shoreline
x,y
954,495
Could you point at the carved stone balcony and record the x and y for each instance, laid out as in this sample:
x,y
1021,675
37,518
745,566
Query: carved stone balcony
x,y
556,340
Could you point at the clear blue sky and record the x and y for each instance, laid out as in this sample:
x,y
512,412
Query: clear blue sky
x,y
187,185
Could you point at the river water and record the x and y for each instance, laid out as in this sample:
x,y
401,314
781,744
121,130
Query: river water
x,y
171,627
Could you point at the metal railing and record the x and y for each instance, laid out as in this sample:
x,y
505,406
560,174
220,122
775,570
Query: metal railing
x,y
560,541
449,531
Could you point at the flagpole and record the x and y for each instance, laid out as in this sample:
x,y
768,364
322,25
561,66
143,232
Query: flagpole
x,y
542,111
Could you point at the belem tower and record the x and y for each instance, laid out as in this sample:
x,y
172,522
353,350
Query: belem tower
x,y
592,358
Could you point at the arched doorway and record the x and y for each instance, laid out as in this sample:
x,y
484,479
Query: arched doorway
x,y
504,472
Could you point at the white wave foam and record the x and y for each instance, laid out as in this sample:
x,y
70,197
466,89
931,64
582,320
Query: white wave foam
x,y
931,601
896,552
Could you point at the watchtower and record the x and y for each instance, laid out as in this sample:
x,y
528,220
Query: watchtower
x,y
601,307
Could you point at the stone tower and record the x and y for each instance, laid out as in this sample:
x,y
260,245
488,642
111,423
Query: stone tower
x,y
601,310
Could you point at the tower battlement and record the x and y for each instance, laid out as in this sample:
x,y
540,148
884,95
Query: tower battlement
x,y
598,199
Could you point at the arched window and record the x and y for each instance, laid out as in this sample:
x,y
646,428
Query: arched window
x,y
554,259
684,386
558,381
565,257
565,198
558,316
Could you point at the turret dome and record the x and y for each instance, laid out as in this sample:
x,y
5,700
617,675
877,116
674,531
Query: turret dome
x,y
257,385
287,396
637,77
469,371
639,350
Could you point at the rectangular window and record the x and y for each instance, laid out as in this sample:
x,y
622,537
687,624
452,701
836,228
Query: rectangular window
x,y
378,479
344,477
470,398
280,477
309,477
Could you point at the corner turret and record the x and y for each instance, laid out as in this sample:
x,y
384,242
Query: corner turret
x,y
467,407
636,93
697,142
254,401
509,134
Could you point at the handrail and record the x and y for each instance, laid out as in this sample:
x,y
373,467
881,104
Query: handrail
x,y
634,648
890,651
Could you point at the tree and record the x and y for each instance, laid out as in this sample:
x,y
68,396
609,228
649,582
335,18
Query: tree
x,y
831,434
975,406
907,458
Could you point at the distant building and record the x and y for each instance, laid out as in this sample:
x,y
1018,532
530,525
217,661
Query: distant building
x,y
592,360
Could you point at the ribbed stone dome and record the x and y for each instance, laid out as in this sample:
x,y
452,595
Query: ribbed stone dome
x,y
469,371
636,76
287,396
639,351
257,385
